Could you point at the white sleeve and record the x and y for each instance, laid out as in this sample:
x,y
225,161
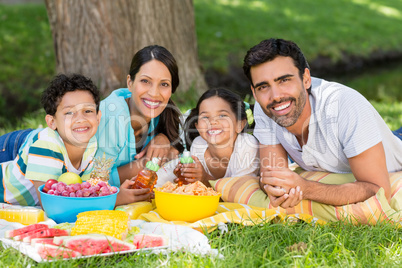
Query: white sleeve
x,y
244,159
265,128
358,130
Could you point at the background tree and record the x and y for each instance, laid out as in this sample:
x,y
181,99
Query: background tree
x,y
99,37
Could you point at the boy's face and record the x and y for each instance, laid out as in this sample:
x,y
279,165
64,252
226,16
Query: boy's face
x,y
76,119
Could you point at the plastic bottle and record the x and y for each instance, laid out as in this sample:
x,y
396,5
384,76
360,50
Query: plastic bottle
x,y
147,177
185,159
24,215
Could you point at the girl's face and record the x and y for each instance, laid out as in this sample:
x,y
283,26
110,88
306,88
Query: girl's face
x,y
151,89
217,123
76,119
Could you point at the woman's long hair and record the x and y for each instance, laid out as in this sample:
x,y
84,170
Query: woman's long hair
x,y
169,120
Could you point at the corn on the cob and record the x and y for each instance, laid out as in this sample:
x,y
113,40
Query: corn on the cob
x,y
108,222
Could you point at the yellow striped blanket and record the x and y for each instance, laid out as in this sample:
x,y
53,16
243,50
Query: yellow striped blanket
x,y
245,203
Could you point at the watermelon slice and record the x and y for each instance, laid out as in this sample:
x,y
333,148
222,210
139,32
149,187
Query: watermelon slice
x,y
47,251
47,240
50,232
26,229
91,244
58,240
150,241
22,236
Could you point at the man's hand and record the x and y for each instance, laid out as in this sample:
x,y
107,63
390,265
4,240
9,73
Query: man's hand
x,y
283,186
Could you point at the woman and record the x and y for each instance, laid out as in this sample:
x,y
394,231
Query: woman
x,y
140,118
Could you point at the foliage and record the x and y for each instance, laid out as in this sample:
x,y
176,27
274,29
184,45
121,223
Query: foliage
x,y
27,59
337,244
227,29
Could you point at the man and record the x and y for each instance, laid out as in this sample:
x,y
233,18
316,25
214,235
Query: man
x,y
322,126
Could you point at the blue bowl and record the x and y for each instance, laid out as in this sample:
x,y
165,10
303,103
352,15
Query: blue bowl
x,y
65,209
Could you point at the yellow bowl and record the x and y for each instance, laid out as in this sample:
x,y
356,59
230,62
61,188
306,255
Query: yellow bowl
x,y
189,208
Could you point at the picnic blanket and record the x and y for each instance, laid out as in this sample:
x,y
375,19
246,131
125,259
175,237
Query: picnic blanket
x,y
245,203
246,190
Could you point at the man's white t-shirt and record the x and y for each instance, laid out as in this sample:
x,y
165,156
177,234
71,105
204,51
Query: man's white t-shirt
x,y
243,161
343,124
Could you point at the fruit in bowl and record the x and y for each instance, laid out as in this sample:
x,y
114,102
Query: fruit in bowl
x,y
70,178
63,202
65,208
84,189
188,203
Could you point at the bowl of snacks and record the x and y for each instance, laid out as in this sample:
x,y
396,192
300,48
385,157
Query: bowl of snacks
x,y
63,202
189,203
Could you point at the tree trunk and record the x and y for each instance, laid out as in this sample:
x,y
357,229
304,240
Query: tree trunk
x,y
98,38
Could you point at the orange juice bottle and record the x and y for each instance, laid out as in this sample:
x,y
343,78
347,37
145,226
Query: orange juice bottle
x,y
147,177
24,215
185,159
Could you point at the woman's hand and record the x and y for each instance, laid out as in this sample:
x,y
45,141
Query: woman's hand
x,y
159,147
128,195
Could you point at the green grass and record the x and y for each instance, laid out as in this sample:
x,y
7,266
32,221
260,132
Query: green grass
x,y
227,29
266,245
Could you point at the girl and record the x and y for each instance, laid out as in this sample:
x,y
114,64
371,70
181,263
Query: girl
x,y
135,115
219,146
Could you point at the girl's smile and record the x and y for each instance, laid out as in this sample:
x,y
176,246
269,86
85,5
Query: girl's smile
x,y
217,123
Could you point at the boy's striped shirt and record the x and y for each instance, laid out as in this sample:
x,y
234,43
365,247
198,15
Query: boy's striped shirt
x,y
42,157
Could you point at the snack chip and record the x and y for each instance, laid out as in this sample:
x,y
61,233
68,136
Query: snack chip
x,y
196,188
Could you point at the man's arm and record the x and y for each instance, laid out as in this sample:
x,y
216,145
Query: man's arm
x,y
272,156
369,169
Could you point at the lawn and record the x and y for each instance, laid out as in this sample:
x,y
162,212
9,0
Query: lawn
x,y
266,245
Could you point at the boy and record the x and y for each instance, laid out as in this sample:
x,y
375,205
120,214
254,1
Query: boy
x,y
68,143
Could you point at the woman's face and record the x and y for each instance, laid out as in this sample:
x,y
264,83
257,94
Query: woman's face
x,y
151,90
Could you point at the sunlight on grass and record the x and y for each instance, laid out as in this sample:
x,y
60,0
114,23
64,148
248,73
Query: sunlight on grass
x,y
385,10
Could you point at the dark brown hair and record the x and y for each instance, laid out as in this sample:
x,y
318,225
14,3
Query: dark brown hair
x,y
169,120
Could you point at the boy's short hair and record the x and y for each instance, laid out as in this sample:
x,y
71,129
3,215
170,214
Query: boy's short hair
x,y
61,84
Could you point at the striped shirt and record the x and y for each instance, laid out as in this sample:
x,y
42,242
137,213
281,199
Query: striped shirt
x,y
42,157
343,124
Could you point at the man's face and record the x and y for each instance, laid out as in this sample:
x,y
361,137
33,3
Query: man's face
x,y
280,91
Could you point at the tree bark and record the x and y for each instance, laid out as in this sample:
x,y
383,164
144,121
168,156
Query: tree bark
x,y
98,38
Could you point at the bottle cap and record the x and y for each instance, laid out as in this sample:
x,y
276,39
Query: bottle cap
x,y
186,158
153,164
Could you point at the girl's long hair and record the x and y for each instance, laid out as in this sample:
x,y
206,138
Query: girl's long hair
x,y
169,120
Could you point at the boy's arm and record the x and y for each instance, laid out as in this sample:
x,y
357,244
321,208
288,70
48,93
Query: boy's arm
x,y
37,184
